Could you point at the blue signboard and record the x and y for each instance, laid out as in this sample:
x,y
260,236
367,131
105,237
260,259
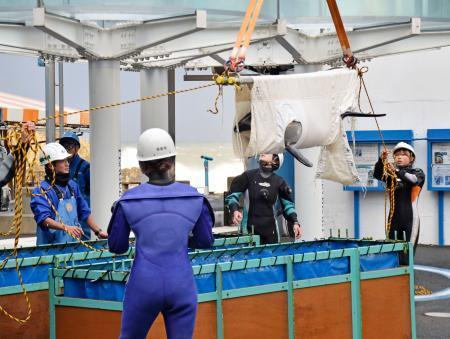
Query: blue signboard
x,y
366,151
367,147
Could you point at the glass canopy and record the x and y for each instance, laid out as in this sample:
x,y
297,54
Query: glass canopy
x,y
435,14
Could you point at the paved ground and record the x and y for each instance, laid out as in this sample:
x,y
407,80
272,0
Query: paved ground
x,y
431,327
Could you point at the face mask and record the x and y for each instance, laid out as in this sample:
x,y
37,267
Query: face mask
x,y
61,179
266,167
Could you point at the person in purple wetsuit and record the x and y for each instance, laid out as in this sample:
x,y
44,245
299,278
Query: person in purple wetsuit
x,y
166,217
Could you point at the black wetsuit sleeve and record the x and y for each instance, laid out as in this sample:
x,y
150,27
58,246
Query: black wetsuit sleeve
x,y
416,177
287,203
378,170
238,186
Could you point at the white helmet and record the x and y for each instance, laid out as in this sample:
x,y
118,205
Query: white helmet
x,y
52,152
154,144
281,158
404,145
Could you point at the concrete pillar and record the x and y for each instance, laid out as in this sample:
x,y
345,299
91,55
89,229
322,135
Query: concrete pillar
x,y
159,112
61,96
309,196
104,88
50,100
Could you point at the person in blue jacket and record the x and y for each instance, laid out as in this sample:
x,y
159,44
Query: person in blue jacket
x,y
58,192
166,217
80,172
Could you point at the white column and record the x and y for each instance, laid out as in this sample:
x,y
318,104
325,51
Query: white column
x,y
61,96
50,100
308,190
104,88
309,196
155,113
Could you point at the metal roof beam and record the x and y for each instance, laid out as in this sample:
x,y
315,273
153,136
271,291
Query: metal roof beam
x,y
119,42
22,38
217,37
67,32
134,40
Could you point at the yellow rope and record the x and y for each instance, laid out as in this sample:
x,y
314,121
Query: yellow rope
x,y
44,194
20,151
92,109
421,290
150,97
215,110
226,78
388,176
391,184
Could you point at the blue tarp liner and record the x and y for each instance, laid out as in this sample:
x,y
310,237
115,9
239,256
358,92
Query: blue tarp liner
x,y
73,247
86,289
112,290
39,273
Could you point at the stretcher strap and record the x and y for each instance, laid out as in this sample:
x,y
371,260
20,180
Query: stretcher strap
x,y
237,57
348,58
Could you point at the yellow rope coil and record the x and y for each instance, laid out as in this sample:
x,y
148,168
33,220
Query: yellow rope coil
x,y
20,151
391,184
421,290
14,138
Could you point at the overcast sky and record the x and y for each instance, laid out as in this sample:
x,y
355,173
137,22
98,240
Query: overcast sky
x,y
21,75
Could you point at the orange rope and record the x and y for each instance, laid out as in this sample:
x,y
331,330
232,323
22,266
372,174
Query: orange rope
x,y
349,59
389,177
237,57
244,26
252,23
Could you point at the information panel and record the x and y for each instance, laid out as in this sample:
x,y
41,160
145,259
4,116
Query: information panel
x,y
366,152
439,165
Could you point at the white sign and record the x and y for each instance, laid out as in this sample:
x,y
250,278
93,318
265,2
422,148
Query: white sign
x,y
440,153
440,175
366,154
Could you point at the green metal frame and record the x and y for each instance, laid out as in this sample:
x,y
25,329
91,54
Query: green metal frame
x,y
62,260
7,290
412,304
354,278
355,281
57,260
219,308
250,239
102,243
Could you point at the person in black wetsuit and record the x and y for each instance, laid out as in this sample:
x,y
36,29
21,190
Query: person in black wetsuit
x,y
264,189
409,184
